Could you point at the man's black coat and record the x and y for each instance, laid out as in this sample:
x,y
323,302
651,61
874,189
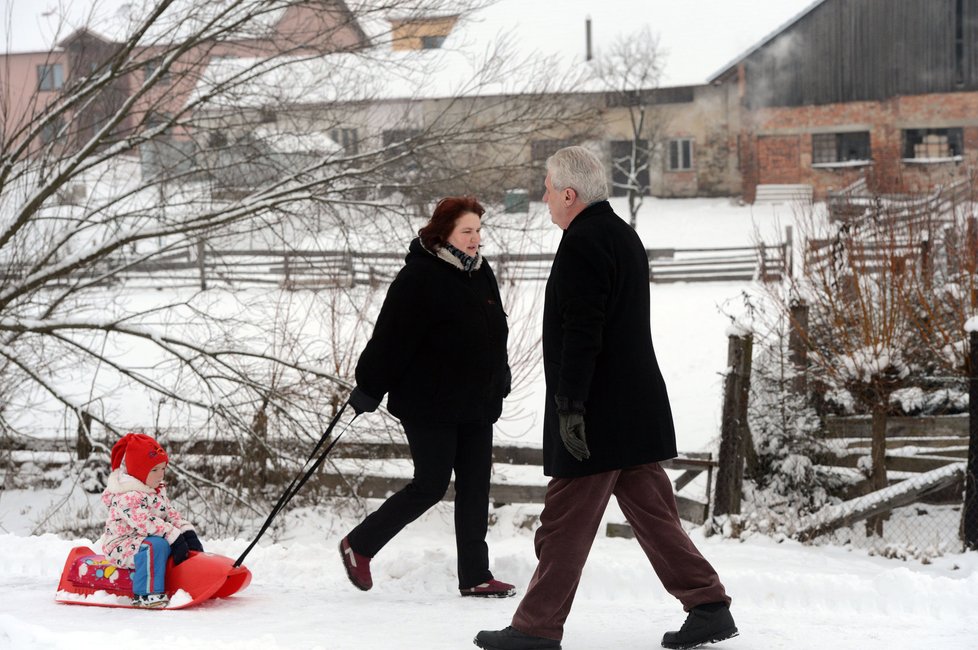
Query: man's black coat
x,y
597,348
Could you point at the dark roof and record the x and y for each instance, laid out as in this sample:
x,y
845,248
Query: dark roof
x,y
722,72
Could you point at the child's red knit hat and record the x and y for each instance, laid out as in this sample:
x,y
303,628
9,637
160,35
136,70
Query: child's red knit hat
x,y
141,454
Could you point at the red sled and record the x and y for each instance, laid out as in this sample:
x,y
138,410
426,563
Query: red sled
x,y
89,578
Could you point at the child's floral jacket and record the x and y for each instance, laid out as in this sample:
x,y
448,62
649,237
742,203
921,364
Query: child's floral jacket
x,y
136,511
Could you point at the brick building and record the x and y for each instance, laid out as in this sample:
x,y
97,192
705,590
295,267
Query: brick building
x,y
860,88
886,90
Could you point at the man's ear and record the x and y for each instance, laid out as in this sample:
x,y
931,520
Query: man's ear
x,y
570,195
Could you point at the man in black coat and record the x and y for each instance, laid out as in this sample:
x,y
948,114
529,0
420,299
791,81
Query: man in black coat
x,y
607,422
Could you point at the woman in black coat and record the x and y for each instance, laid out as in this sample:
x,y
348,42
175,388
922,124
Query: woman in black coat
x,y
438,351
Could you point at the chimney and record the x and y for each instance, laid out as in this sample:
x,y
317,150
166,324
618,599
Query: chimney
x,y
587,39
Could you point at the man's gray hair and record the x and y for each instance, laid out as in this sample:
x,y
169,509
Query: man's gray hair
x,y
578,168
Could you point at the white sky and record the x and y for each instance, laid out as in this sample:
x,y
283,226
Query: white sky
x,y
699,36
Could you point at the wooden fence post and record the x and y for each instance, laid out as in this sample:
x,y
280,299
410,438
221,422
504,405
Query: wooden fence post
x,y
927,262
734,432
798,346
969,514
83,439
201,266
788,253
351,268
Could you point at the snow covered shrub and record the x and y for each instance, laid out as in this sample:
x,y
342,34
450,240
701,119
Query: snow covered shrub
x,y
875,313
786,430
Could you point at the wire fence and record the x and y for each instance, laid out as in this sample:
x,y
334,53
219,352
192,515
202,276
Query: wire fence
x,y
822,493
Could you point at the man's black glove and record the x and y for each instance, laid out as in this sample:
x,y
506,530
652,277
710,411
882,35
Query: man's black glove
x,y
571,416
507,382
361,402
193,542
179,550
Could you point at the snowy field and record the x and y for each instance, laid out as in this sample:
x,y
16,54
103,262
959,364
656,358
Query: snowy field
x,y
785,595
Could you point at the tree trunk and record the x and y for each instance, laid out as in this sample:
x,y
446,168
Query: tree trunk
x,y
632,209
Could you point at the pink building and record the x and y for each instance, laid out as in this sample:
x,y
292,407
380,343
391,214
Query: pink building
x,y
30,81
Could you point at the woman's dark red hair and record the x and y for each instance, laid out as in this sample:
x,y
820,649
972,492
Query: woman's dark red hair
x,y
436,232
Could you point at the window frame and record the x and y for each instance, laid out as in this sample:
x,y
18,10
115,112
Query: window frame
x,y
49,132
150,67
680,151
540,150
433,41
50,77
348,138
831,149
954,144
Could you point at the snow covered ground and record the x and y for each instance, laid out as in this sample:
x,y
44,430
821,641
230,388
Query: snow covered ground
x,y
785,595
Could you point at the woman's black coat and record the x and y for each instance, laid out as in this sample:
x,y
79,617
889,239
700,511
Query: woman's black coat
x,y
438,349
597,348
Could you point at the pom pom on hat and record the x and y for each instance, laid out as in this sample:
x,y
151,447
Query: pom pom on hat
x,y
141,454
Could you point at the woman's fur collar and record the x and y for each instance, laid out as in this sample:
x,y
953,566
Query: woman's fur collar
x,y
445,255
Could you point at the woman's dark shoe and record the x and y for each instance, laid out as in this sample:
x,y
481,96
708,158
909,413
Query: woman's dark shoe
x,y
491,589
513,639
704,624
357,566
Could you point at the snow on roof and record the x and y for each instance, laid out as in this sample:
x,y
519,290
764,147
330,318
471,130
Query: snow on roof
x,y
40,25
695,35
293,142
379,75
505,47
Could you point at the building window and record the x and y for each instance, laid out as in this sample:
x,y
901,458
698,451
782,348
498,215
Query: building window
x,y
50,76
932,144
51,130
397,136
156,120
680,155
649,97
150,68
630,167
421,33
432,42
217,139
397,142
829,148
346,138
540,150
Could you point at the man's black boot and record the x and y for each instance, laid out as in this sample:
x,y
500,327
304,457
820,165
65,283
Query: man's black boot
x,y
513,639
704,624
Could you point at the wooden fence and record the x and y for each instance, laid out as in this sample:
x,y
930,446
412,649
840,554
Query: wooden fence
x,y
299,269
354,468
856,203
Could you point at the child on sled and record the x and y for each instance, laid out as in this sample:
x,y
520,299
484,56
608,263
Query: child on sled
x,y
143,529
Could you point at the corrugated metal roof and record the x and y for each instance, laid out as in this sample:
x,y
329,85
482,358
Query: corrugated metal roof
x,y
764,41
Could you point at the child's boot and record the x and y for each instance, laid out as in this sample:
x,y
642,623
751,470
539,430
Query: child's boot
x,y
150,601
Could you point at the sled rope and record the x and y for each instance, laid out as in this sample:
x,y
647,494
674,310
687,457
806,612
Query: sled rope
x,y
301,478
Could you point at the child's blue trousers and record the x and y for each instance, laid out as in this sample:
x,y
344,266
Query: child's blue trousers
x,y
150,574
